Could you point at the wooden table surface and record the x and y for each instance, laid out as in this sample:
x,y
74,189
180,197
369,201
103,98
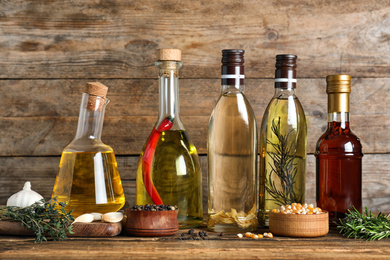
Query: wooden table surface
x,y
228,246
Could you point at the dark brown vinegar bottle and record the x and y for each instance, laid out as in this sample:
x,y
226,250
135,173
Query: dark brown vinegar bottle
x,y
338,155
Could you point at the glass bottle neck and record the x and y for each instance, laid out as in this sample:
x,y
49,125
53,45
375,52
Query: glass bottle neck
x,y
338,110
169,106
90,122
284,93
340,119
232,89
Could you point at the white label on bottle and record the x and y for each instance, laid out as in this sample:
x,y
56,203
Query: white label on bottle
x,y
286,80
231,76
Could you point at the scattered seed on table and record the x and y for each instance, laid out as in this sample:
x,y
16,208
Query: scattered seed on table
x,y
220,234
191,231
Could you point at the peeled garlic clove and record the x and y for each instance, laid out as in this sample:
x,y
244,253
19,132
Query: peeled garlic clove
x,y
85,218
112,217
25,197
97,216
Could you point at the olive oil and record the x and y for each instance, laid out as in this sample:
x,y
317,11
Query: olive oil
x,y
295,131
176,175
88,179
168,168
89,182
283,139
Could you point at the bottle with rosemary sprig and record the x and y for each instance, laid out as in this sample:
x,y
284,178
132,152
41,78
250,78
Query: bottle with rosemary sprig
x,y
282,143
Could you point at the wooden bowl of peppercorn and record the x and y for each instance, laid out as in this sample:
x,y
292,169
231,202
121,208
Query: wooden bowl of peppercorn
x,y
152,220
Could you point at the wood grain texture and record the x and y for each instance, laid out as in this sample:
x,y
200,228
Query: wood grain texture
x,y
151,223
118,38
41,172
40,116
95,229
215,247
297,225
49,49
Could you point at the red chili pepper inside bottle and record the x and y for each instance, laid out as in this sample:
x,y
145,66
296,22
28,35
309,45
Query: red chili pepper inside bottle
x,y
169,170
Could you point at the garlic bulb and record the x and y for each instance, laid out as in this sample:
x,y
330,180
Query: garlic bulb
x,y
25,197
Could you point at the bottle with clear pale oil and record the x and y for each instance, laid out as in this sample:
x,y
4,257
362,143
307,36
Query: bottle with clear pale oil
x,y
283,140
88,179
168,168
338,155
232,153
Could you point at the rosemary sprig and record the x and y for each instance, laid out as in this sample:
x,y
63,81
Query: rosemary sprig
x,y
43,218
283,168
368,226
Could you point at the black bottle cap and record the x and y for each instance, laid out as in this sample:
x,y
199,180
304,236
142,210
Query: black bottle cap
x,y
285,71
232,67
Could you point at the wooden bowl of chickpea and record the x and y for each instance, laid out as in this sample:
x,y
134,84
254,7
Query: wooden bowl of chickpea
x,y
298,220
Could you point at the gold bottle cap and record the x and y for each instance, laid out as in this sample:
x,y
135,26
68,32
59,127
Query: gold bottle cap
x,y
97,92
169,54
338,89
338,84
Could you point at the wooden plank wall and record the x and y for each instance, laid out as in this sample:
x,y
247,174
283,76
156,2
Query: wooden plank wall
x,y
49,49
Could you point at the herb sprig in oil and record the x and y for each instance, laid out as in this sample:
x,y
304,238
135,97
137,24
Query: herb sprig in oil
x,y
283,168
368,226
43,218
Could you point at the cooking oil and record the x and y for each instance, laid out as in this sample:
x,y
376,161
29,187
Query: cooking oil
x,y
176,175
232,162
283,135
232,153
89,182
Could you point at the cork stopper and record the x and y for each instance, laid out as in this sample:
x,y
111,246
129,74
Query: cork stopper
x,y
97,94
96,89
169,54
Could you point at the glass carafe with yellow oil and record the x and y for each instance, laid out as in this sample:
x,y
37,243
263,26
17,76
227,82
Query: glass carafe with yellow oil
x,y
88,179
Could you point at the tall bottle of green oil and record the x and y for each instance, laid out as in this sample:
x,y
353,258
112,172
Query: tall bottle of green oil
x,y
88,179
168,168
232,153
283,138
